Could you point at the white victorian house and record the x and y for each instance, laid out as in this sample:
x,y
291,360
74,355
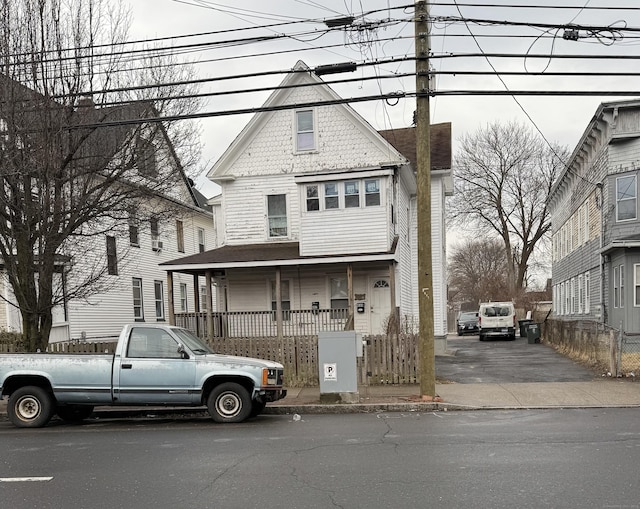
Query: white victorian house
x,y
316,222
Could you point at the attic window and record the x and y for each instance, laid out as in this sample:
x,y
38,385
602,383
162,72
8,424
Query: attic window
x,y
146,158
305,135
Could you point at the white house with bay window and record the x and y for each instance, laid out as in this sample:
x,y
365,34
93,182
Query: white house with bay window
x,y
596,223
317,219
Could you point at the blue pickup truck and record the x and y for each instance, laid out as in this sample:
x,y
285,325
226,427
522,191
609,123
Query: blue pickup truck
x,y
153,365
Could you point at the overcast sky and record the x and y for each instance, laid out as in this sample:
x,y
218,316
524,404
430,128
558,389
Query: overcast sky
x,y
561,119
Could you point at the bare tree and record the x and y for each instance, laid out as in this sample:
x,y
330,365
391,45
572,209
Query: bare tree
x,y
502,176
73,167
478,271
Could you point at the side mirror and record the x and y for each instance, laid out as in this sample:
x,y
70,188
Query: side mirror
x,y
183,353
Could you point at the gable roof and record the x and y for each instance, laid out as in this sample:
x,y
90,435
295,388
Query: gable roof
x,y
301,75
404,140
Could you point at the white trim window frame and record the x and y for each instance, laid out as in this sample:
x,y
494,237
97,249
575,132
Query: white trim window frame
x,y
621,286
636,285
201,240
158,293
616,287
277,217
184,302
626,198
580,294
305,130
587,294
138,301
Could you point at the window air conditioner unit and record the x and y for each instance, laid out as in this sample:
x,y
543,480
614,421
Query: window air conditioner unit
x,y
156,245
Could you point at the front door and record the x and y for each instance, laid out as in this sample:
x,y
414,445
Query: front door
x,y
380,305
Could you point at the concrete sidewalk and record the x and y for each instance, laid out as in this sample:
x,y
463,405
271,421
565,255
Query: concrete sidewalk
x,y
603,393
596,394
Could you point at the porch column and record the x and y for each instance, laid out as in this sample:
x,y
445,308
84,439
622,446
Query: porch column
x,y
196,300
392,293
208,277
278,303
172,314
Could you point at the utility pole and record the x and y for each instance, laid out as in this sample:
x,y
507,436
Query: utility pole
x,y
426,345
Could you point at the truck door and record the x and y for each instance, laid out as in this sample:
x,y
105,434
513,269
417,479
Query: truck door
x,y
151,370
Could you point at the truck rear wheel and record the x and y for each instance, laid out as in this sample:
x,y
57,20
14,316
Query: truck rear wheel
x,y
229,402
30,407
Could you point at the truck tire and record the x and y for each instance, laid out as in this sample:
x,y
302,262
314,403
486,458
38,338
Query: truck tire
x,y
229,402
30,407
74,413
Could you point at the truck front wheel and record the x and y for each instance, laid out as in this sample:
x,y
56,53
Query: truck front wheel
x,y
30,407
229,402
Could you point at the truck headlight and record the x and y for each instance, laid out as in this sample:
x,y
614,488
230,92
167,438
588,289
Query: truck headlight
x,y
269,376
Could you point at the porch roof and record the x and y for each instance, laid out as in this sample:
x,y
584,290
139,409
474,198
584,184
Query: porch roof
x,y
265,255
631,242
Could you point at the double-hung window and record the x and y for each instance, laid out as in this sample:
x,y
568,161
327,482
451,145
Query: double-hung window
x,y
138,307
313,200
277,215
180,235
331,198
112,256
201,240
159,299
351,194
305,135
636,285
372,192
339,298
626,198
183,297
616,287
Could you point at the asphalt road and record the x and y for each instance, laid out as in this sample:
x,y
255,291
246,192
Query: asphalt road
x,y
493,459
500,361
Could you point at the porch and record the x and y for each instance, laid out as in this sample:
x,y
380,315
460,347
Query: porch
x,y
263,324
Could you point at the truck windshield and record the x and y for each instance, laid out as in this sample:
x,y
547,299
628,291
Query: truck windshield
x,y
192,342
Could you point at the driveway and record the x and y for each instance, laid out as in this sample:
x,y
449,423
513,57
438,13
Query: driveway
x,y
500,361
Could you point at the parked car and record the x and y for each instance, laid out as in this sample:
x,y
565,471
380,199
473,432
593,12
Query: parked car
x,y
467,323
497,319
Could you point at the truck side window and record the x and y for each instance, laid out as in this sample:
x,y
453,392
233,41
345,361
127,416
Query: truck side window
x,y
152,343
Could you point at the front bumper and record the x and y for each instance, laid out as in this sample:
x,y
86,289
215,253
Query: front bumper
x,y
272,394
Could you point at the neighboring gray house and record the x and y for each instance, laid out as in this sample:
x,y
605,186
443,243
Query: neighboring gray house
x,y
596,223
319,208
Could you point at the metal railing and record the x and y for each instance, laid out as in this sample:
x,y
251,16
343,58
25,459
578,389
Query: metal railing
x,y
249,324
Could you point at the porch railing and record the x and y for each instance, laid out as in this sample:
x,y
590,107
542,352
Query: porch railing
x,y
250,324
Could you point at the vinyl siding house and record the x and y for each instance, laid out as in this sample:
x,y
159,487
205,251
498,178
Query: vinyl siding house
x,y
112,265
316,221
596,223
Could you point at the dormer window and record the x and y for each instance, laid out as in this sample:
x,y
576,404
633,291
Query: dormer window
x,y
305,134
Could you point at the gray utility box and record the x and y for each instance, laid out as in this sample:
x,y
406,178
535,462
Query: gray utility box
x,y
337,352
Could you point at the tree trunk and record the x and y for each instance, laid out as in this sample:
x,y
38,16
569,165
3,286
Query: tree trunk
x,y
36,328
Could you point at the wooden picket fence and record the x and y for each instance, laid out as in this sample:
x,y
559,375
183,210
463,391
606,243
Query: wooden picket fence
x,y
389,359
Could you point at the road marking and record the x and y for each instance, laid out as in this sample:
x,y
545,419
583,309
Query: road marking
x,y
25,479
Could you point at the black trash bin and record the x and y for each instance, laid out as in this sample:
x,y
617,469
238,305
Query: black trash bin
x,y
523,324
533,333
